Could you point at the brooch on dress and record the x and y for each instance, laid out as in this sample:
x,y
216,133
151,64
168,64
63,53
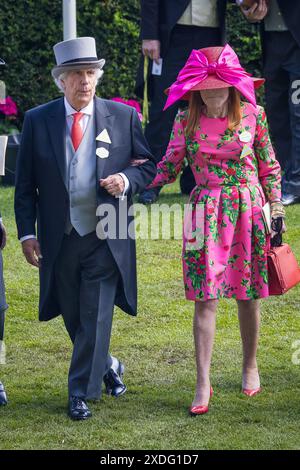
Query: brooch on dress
x,y
245,137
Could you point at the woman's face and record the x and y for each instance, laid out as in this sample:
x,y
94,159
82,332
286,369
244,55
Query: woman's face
x,y
215,98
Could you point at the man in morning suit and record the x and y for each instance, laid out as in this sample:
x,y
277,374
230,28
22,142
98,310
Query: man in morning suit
x,y
170,30
77,154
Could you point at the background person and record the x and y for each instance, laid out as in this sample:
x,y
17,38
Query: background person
x,y
170,30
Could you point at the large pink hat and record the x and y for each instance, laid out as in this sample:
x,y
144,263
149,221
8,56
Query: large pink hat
x,y
209,68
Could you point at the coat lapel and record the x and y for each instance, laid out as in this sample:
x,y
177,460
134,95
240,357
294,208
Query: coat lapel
x,y
56,122
104,120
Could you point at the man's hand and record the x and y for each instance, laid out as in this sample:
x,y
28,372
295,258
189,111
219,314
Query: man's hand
x,y
151,49
4,236
257,12
32,252
114,184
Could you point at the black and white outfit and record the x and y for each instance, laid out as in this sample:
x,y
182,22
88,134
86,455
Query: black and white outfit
x,y
281,52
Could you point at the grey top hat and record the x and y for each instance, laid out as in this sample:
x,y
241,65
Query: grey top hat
x,y
2,62
75,54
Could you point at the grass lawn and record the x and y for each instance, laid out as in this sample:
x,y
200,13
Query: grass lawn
x,y
157,348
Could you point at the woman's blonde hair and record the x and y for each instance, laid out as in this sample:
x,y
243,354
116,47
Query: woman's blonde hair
x,y
196,105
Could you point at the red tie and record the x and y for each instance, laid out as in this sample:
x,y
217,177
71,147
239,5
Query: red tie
x,y
76,132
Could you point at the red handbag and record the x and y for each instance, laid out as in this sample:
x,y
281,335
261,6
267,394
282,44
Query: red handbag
x,y
283,269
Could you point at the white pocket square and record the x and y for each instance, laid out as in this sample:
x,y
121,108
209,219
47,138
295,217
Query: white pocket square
x,y
104,137
102,152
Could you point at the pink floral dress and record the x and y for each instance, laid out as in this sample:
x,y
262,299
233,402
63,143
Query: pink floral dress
x,y
235,172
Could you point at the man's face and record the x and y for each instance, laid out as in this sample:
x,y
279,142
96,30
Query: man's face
x,y
80,87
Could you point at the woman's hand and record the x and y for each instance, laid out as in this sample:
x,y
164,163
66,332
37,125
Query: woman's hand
x,y
277,218
257,12
138,161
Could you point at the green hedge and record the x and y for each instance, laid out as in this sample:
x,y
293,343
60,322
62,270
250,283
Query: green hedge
x,y
30,28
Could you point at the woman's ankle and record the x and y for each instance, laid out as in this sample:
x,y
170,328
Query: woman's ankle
x,y
251,379
203,384
252,367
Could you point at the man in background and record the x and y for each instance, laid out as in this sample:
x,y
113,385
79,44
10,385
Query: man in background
x,y
169,32
3,304
280,33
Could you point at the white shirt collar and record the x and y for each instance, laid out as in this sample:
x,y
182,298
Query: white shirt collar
x,y
87,110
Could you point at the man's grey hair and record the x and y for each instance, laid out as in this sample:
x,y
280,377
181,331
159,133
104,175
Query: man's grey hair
x,y
58,81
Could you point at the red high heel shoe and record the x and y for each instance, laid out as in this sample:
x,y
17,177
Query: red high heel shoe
x,y
251,393
201,409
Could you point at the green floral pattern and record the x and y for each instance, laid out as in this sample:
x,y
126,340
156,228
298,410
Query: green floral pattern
x,y
226,255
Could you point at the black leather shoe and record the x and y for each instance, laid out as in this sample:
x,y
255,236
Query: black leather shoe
x,y
78,409
3,397
149,196
113,381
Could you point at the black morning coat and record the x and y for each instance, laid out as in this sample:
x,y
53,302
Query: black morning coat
x,y
41,189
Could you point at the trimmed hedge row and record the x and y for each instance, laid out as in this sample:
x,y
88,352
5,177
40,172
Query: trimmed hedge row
x,y
29,29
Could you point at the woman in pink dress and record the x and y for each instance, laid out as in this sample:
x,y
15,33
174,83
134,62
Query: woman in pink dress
x,y
227,144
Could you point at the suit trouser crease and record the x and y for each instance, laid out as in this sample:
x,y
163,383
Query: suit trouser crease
x,y
107,293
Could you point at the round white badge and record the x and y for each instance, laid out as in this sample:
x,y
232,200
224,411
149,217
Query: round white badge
x,y
245,136
102,152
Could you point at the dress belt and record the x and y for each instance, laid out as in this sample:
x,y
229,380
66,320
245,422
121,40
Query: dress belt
x,y
241,182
